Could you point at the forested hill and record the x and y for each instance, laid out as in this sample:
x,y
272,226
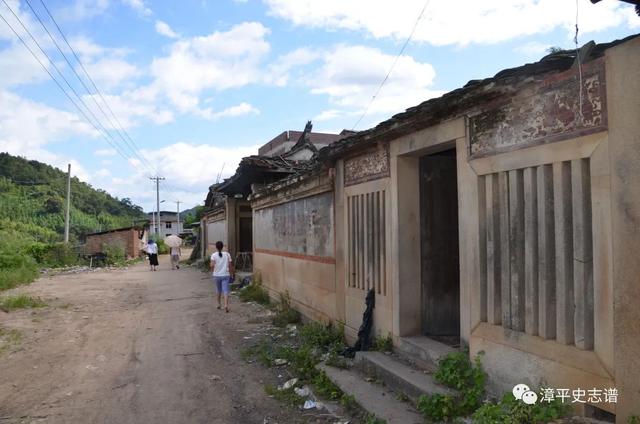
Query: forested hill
x,y
32,198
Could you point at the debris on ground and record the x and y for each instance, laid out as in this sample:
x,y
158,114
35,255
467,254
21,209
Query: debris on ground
x,y
288,384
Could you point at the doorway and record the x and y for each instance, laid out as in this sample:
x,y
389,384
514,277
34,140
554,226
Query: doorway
x,y
439,250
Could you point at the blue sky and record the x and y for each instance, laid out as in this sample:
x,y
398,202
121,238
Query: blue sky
x,y
198,84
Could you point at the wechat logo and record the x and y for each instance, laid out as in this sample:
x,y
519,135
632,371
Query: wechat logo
x,y
524,393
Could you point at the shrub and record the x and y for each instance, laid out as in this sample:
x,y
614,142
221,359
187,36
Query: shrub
x,y
115,254
58,255
509,410
16,265
21,301
456,371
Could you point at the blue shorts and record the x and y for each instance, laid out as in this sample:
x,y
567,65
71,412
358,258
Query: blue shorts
x,y
222,284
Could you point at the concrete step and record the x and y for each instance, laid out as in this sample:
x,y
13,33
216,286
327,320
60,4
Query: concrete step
x,y
374,398
423,351
398,376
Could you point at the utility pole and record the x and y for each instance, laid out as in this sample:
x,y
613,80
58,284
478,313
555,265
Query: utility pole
x,y
178,206
68,206
157,180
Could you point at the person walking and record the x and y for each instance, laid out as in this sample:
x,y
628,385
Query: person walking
x,y
175,257
222,268
152,251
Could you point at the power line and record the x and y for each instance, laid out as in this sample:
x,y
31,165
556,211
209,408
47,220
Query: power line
x,y
135,153
131,143
404,46
97,121
97,125
84,115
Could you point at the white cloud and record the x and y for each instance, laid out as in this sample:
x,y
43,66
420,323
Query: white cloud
x,y
111,72
87,9
102,173
279,70
446,22
350,76
532,49
230,112
139,6
163,28
105,152
219,61
189,169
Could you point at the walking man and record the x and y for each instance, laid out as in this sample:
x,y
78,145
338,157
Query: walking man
x,y
222,267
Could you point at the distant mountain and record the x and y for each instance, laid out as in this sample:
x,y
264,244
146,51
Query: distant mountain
x,y
32,196
186,212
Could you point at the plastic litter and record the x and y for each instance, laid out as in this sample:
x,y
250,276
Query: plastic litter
x,y
302,391
309,404
280,361
289,384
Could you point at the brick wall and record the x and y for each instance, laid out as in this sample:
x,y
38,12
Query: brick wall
x,y
128,239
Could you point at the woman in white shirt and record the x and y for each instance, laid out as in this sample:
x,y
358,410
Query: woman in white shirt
x,y
152,251
222,268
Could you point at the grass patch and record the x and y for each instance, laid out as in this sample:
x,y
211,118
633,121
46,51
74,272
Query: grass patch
x,y
9,338
287,396
21,301
372,419
458,372
285,314
254,292
383,344
509,410
303,352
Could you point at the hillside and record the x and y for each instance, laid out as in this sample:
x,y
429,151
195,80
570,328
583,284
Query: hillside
x,y
32,198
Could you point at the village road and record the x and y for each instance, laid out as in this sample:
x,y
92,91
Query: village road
x,y
133,346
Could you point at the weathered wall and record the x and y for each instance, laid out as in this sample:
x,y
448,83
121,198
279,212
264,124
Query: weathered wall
x,y
127,239
216,231
623,68
294,244
301,226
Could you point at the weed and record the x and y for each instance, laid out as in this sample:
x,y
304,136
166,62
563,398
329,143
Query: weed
x,y
285,314
337,361
372,419
633,419
348,402
402,397
456,371
21,301
512,411
383,344
325,387
254,292
9,338
323,336
287,396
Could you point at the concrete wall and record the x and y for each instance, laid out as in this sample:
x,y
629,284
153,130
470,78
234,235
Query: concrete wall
x,y
294,245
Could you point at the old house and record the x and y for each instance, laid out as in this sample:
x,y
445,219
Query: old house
x,y
229,216
503,216
131,239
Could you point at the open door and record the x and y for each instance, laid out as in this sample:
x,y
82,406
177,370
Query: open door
x,y
439,246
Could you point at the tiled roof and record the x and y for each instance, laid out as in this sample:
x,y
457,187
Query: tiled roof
x,y
465,99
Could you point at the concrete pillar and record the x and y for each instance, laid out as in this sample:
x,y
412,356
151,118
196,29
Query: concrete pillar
x,y
623,104
546,254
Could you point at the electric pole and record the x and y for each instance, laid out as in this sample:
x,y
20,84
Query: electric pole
x,y
157,180
178,206
68,206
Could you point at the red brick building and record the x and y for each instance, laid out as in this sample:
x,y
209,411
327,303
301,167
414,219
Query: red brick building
x,y
132,239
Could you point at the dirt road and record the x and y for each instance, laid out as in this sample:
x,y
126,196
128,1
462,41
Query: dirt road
x,y
133,346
